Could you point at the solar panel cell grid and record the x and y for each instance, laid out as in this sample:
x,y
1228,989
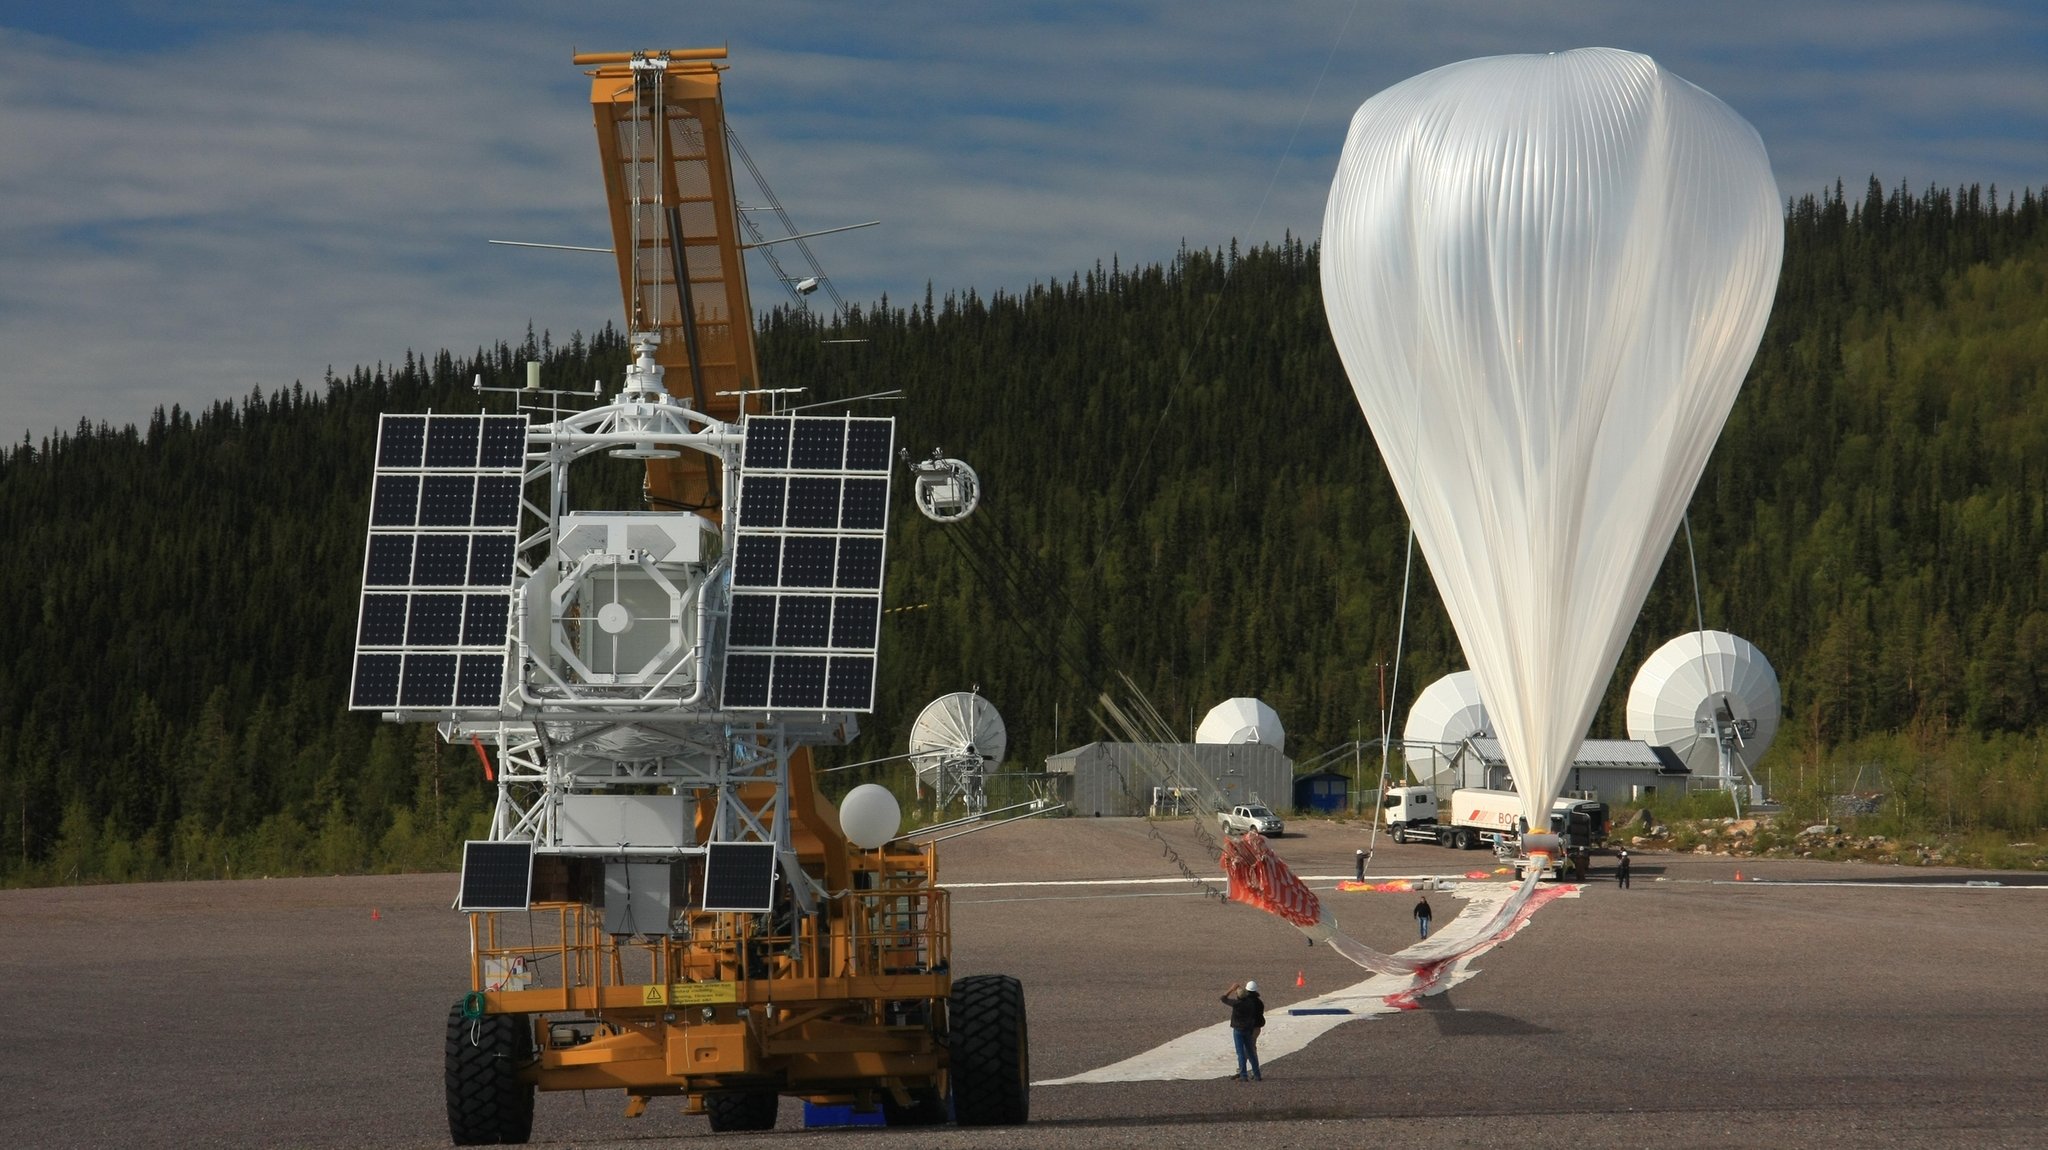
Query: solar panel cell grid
x,y
396,501
867,444
452,440
818,445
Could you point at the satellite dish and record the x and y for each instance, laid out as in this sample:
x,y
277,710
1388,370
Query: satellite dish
x,y
1546,276
1445,714
956,740
1712,698
1242,720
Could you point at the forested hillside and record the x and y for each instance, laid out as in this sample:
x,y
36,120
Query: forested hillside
x,y
1179,486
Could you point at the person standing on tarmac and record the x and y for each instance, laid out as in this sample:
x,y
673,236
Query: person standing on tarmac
x,y
1621,871
1422,914
1247,1016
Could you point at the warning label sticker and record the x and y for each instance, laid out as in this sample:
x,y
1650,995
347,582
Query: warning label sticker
x,y
695,993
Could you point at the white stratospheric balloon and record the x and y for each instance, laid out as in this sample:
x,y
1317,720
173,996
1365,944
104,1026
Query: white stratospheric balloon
x,y
1546,276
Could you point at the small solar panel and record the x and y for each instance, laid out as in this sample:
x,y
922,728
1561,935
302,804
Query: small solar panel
x,y
496,876
753,621
396,502
746,680
807,560
483,619
497,501
804,621
767,444
813,503
434,621
865,506
818,445
739,877
441,561
447,500
797,683
481,681
860,564
383,621
867,444
400,439
850,684
759,561
452,440
427,680
504,442
855,621
490,560
390,561
761,500
376,681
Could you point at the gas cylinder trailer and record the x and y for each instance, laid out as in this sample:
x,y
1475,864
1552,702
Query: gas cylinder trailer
x,y
1492,818
666,904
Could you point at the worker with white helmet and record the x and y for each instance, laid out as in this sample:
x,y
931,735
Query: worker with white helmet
x,y
1247,1016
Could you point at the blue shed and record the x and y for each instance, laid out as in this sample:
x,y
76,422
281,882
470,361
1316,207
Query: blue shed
x,y
1322,793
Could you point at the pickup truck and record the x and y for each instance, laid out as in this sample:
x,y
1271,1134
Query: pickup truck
x,y
1252,817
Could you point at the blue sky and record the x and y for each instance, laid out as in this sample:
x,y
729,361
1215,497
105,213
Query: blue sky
x,y
242,194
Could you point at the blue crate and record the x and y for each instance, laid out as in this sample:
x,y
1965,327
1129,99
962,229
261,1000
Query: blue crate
x,y
844,1114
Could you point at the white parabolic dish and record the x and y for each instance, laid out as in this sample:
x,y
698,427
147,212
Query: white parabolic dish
x,y
1447,712
1242,720
1683,685
961,731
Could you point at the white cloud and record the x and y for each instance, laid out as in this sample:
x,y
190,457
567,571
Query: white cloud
x,y
260,190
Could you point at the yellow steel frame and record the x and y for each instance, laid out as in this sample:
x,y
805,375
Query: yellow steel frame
x,y
661,136
843,1007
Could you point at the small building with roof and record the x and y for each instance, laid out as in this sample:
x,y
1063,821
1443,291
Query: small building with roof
x,y
1123,779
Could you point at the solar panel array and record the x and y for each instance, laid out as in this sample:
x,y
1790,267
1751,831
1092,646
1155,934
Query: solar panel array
x,y
807,564
437,577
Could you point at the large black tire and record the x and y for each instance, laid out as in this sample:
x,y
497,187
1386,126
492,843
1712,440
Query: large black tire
x,y
737,1111
487,1101
927,1108
991,1051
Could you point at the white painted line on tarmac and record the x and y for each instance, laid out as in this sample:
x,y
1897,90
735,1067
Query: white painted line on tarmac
x,y
1439,878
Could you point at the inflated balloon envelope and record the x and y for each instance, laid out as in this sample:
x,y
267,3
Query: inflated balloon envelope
x,y
1546,276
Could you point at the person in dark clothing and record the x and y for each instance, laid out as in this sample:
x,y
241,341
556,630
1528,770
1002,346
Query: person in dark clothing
x,y
1247,1015
1422,915
1621,871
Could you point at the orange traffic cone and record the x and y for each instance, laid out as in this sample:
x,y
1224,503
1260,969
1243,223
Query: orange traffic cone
x,y
1301,978
375,916
1738,876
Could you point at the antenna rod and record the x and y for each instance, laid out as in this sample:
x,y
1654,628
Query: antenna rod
x,y
552,247
808,235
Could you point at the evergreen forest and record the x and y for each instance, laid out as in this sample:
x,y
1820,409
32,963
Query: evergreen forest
x,y
1178,487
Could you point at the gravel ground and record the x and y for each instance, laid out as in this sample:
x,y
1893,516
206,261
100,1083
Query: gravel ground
x,y
1889,1007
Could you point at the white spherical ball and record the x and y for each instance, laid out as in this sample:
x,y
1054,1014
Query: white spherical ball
x,y
869,815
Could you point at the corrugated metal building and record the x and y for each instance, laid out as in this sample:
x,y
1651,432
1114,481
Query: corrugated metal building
x,y
1615,771
1115,779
